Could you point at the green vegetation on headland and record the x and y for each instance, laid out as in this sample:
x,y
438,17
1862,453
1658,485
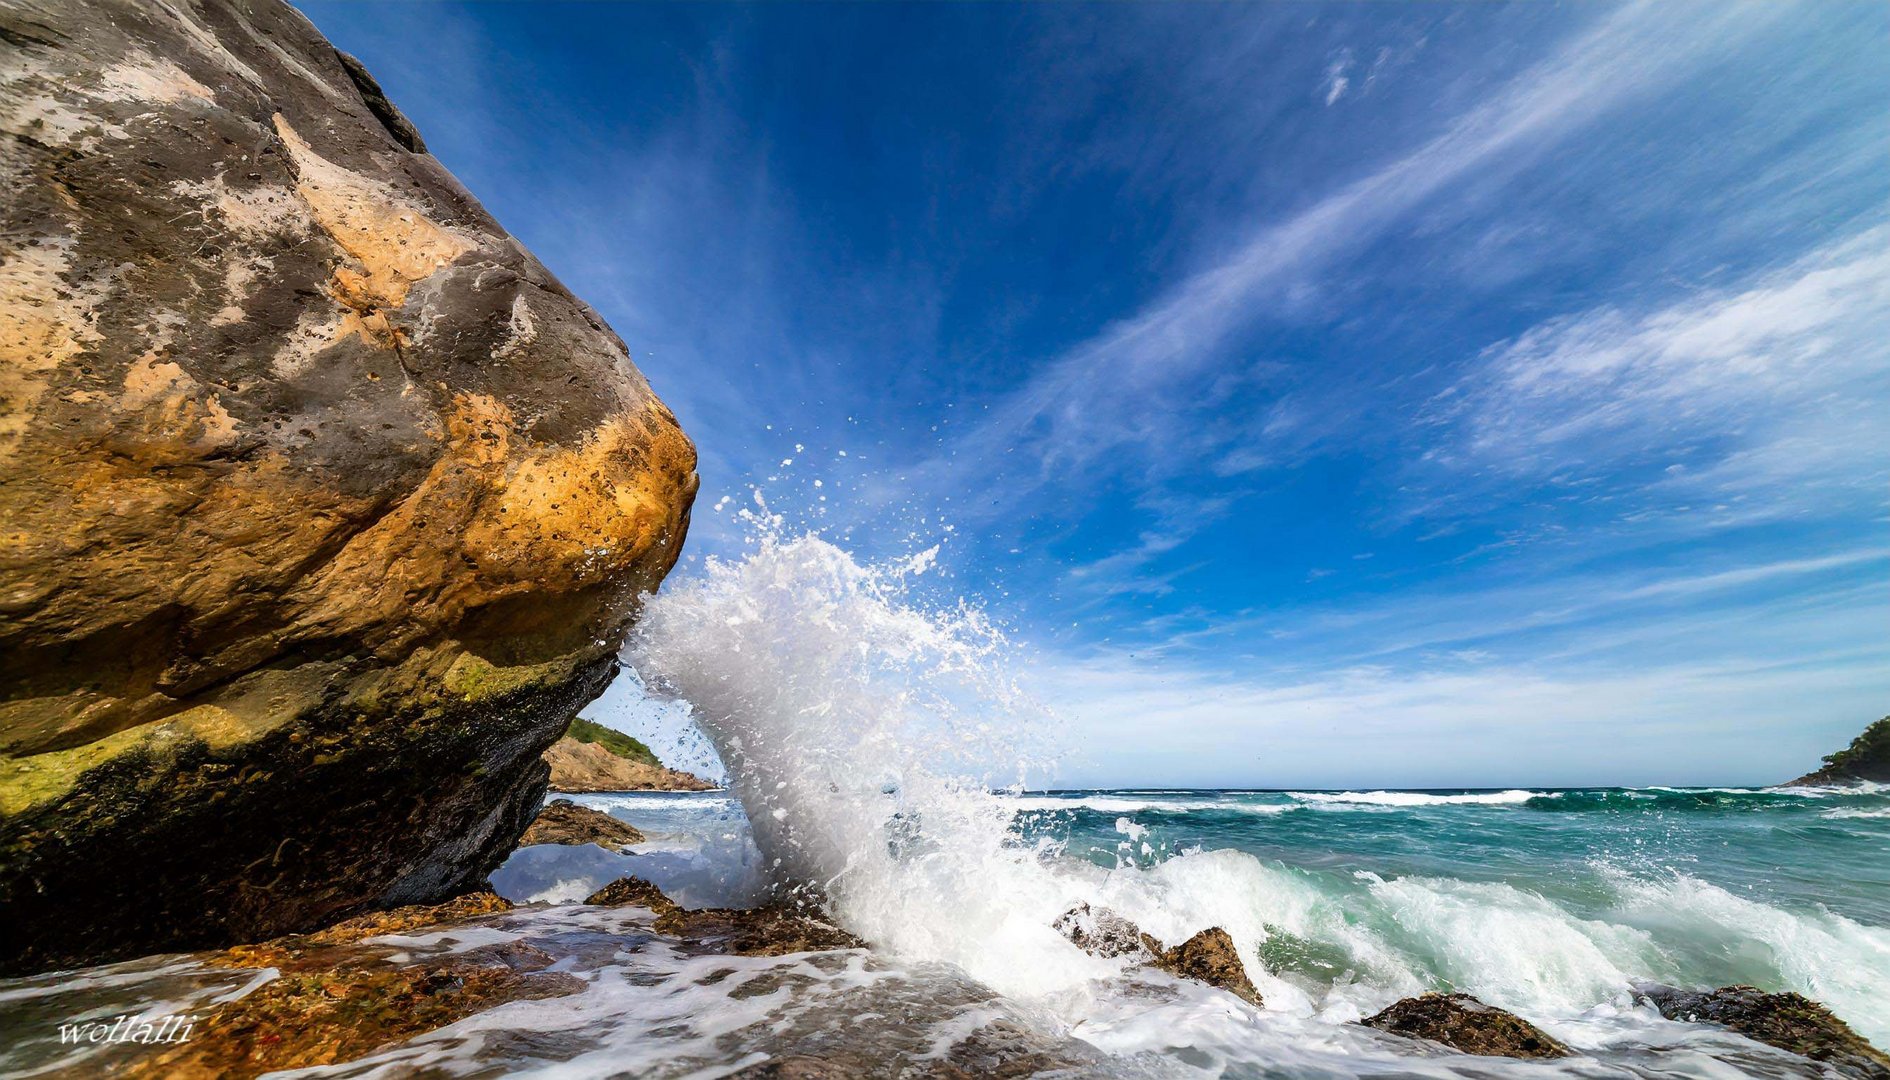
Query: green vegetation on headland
x,y
1867,758
611,739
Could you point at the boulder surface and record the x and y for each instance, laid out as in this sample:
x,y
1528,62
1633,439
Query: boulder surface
x,y
326,505
1791,1022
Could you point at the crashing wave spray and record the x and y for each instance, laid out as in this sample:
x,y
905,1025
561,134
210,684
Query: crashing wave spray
x,y
862,733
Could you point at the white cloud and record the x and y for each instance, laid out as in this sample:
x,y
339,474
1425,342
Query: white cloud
x,y
1336,80
1802,350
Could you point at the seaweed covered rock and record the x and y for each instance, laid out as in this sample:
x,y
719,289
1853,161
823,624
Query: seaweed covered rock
x,y
1463,1023
1788,1021
565,822
775,930
327,505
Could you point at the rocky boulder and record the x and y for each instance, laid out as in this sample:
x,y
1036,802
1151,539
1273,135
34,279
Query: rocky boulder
x,y
565,822
326,505
1791,1022
1465,1024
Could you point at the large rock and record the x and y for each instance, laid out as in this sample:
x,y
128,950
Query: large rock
x,y
1867,759
325,505
580,767
1788,1021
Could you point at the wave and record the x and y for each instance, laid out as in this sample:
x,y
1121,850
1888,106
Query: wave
x,y
1515,797
1106,804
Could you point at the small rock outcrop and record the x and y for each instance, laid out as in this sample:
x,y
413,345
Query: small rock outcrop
x,y
1207,957
580,768
327,505
765,931
565,822
1867,759
1791,1022
631,891
1465,1024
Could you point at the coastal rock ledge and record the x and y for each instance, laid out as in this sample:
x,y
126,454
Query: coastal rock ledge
x,y
326,506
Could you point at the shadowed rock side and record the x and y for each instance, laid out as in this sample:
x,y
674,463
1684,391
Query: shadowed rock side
x,y
1790,1022
1463,1023
579,767
1866,759
565,822
326,506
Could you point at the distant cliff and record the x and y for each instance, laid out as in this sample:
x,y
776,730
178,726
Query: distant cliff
x,y
593,757
1867,758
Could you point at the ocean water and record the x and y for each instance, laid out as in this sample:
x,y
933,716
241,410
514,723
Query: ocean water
x,y
880,753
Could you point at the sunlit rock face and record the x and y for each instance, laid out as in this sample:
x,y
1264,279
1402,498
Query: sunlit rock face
x,y
323,505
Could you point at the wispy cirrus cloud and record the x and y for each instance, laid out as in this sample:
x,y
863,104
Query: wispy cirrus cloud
x,y
1720,391
1130,392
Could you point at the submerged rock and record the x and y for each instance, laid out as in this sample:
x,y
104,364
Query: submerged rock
x,y
1788,1021
581,767
1463,1023
1207,957
1866,759
775,930
327,505
565,822
336,998
1101,932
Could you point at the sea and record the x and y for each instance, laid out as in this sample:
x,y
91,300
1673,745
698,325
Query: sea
x,y
877,747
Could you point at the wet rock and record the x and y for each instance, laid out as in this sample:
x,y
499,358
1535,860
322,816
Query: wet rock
x,y
296,950
1101,932
632,891
337,998
1463,1023
1791,1022
776,930
308,1018
1207,957
765,931
326,504
802,1068
565,822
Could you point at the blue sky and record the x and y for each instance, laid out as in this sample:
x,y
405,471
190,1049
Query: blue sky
x,y
1331,395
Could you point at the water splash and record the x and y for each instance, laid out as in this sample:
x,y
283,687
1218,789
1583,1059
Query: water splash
x,y
863,730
